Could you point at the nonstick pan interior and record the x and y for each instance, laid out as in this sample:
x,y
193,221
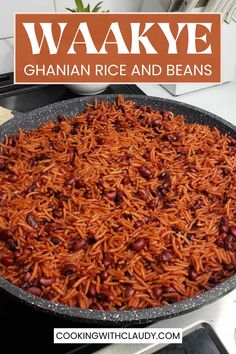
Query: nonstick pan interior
x,y
32,120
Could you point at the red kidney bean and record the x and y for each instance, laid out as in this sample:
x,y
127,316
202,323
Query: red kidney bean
x,y
138,224
26,285
162,190
111,195
7,261
143,194
79,184
102,118
146,154
127,216
232,231
50,192
12,178
157,292
106,295
192,169
78,244
69,181
64,198
34,161
104,275
125,157
12,141
169,289
229,267
145,172
125,180
87,193
56,129
220,241
27,276
52,226
55,240
228,243
31,188
189,236
91,240
2,165
166,256
133,183
164,175
5,234
156,123
31,221
118,127
192,274
119,197
173,137
57,213
100,141
149,109
60,196
93,307
100,183
138,244
115,228
171,301
197,204
167,203
151,204
11,244
224,225
43,156
165,114
232,141
154,192
140,116
166,183
129,291
46,281
90,118
214,280
74,131
105,305
61,118
34,290
16,254
53,293
92,290
106,262
69,269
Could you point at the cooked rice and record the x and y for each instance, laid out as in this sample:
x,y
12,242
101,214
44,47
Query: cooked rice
x,y
118,208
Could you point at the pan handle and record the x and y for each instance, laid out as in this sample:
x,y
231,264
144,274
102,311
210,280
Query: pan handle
x,y
5,115
218,319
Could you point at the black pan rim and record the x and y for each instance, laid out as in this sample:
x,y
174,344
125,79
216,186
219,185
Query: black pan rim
x,y
142,316
111,97
131,316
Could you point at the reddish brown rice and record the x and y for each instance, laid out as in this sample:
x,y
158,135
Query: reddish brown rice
x,y
118,208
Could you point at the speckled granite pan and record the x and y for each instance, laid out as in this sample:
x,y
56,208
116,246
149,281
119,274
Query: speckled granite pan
x,y
33,120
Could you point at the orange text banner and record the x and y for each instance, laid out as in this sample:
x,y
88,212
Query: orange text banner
x,y
153,47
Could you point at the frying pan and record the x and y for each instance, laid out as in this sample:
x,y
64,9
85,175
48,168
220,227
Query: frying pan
x,y
32,120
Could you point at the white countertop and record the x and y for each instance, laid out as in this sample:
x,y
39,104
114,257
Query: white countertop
x,y
220,99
